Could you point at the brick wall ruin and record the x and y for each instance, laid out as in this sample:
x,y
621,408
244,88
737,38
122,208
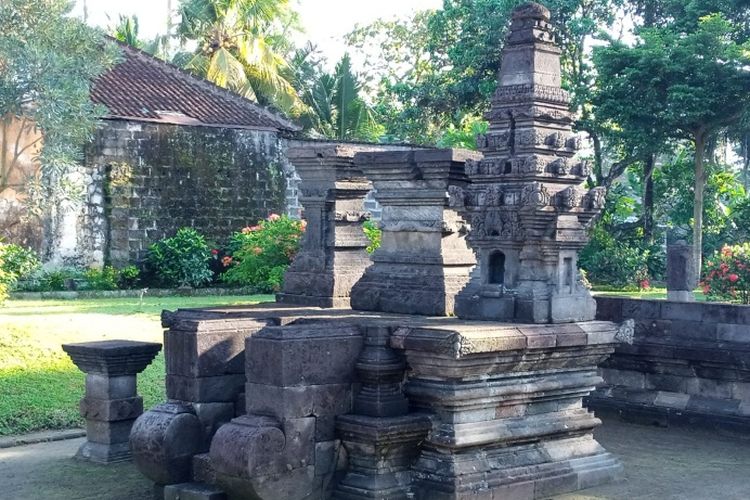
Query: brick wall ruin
x,y
689,362
159,178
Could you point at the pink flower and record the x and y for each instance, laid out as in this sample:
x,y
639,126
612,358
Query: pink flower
x,y
253,229
257,250
274,217
226,261
246,230
733,278
214,252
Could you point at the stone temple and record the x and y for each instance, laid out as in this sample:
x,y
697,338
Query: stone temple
x,y
452,365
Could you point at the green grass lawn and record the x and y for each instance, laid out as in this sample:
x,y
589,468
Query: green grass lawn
x,y
39,385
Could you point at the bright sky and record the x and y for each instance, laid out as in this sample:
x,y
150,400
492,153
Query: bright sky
x,y
325,21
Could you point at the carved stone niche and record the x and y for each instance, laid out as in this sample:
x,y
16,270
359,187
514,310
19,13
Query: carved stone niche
x,y
333,256
423,260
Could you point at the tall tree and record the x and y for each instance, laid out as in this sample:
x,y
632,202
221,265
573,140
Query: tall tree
x,y
458,49
48,60
238,41
335,107
689,85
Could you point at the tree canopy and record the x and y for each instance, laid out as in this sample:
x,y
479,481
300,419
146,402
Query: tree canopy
x,y
48,60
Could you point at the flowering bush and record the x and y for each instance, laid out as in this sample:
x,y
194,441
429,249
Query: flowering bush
x,y
181,260
726,276
258,255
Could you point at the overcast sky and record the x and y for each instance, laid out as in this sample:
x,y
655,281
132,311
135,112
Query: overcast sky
x,y
325,21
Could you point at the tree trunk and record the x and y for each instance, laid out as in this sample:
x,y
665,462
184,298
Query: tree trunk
x,y
648,198
746,161
700,184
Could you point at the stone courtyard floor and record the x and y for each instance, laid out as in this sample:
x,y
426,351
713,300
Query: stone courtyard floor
x,y
664,464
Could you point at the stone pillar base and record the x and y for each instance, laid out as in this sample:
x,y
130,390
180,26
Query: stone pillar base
x,y
522,472
104,453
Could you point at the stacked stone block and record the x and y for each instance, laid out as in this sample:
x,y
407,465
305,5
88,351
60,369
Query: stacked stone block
x,y
689,363
506,406
299,378
111,403
162,177
526,204
423,260
332,257
381,437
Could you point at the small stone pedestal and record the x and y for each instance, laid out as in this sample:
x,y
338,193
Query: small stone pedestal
x,y
111,403
423,260
681,275
381,439
333,255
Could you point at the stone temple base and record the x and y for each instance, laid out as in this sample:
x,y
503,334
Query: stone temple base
x,y
494,409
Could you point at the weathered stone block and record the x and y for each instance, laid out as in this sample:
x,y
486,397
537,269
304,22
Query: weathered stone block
x,y
681,311
205,354
111,410
99,431
733,333
223,388
193,491
164,441
298,401
213,416
100,386
303,355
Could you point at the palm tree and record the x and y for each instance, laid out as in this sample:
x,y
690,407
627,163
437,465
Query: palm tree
x,y
334,107
237,47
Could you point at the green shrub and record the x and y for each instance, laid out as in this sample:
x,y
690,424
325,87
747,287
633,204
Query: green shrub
x,y
374,234
128,277
621,262
181,260
6,279
105,278
19,261
56,280
726,275
258,256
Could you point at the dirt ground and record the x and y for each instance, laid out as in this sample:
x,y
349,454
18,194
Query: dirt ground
x,y
663,464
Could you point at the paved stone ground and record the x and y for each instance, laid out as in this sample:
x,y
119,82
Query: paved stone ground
x,y
663,464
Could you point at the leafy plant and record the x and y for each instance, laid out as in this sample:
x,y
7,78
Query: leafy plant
x,y
259,255
181,260
128,277
18,261
726,276
105,278
48,61
374,234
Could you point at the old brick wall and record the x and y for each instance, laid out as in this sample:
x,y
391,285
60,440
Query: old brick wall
x,y
689,362
162,177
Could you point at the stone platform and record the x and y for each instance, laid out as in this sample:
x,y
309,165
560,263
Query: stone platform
x,y
502,404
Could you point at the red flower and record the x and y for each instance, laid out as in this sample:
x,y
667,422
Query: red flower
x,y
215,251
733,278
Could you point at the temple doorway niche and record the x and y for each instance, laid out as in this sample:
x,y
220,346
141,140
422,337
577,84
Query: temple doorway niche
x,y
496,268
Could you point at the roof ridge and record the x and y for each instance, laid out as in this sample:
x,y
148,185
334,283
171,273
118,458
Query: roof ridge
x,y
284,123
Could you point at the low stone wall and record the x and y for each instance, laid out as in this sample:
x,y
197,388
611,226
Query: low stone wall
x,y
689,363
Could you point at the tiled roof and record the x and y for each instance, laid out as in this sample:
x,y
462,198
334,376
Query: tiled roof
x,y
144,88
